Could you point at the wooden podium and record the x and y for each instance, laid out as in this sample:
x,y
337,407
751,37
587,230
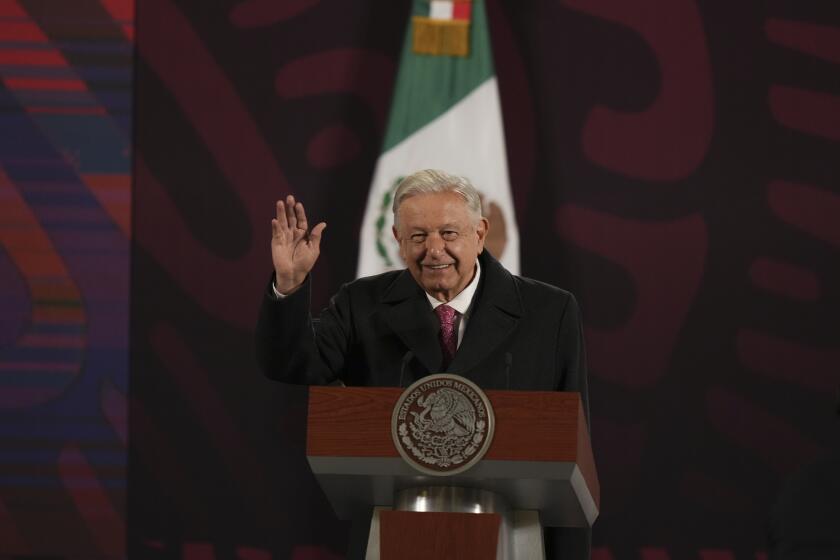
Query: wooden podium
x,y
539,471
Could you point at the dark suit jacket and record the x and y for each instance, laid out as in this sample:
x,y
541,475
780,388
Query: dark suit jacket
x,y
381,331
522,334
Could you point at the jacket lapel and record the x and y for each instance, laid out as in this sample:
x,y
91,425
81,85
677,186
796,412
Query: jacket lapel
x,y
410,316
496,312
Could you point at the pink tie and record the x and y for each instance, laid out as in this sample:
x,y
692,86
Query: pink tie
x,y
448,334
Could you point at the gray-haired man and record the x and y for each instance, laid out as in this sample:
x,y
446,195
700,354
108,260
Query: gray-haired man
x,y
507,332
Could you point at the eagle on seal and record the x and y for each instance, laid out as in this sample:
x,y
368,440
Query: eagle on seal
x,y
446,411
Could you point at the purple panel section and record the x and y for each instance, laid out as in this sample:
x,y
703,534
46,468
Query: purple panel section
x,y
64,249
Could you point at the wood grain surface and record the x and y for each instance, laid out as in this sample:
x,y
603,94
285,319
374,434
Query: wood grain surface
x,y
411,535
530,425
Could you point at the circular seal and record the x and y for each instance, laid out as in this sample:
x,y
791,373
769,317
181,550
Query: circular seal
x,y
442,424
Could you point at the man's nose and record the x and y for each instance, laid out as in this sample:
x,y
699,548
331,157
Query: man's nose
x,y
435,245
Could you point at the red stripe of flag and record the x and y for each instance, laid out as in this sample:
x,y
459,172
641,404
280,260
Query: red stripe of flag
x,y
462,11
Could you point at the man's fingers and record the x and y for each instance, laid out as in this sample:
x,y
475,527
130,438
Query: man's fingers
x,y
315,234
290,212
281,215
291,215
300,216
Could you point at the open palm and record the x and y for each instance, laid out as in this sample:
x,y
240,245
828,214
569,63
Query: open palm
x,y
294,249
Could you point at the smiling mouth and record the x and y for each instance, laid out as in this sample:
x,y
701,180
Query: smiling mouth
x,y
437,266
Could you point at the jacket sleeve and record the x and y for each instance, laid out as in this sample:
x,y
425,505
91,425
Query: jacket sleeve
x,y
571,542
571,354
292,347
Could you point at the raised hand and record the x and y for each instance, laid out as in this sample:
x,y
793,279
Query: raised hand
x,y
294,249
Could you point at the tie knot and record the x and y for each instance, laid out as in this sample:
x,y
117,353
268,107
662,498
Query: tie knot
x,y
446,314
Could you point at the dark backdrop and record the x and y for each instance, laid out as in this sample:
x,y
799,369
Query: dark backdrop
x,y
673,164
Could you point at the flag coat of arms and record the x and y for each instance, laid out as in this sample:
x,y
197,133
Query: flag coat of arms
x,y
445,114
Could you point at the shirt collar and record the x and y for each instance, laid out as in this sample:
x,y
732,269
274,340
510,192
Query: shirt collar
x,y
461,302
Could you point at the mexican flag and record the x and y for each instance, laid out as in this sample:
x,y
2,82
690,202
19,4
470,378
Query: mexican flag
x,y
445,114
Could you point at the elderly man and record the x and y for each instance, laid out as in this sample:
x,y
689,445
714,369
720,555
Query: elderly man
x,y
454,309
393,328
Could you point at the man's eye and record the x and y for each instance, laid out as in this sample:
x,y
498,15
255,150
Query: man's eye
x,y
418,237
450,235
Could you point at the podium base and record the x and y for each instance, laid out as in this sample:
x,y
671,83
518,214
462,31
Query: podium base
x,y
419,524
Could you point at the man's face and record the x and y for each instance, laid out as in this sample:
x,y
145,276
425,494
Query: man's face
x,y
439,241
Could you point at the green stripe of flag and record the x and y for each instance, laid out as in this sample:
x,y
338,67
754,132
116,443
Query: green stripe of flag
x,y
428,85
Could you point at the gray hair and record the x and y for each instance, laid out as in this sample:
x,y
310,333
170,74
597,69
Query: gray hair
x,y
429,181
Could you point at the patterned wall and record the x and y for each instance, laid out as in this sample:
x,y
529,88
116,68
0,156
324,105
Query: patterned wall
x,y
65,150
684,187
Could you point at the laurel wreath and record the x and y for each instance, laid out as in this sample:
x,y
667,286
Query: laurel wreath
x,y
441,451
381,219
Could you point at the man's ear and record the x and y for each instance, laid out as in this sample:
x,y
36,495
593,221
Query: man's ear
x,y
482,229
397,237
